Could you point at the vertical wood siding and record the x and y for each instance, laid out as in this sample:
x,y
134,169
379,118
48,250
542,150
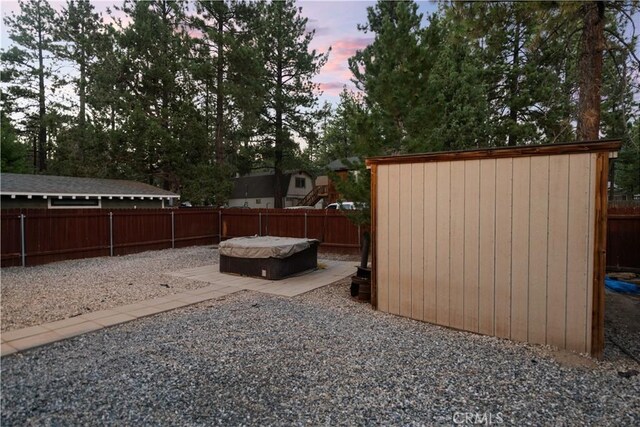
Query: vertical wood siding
x,y
501,246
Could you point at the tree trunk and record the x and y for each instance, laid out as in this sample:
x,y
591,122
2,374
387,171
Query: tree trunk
x,y
590,71
278,134
220,94
82,84
42,128
513,85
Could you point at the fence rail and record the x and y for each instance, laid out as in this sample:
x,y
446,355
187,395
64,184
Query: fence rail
x,y
39,236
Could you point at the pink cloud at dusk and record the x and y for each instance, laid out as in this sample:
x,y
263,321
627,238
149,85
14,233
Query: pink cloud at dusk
x,y
342,50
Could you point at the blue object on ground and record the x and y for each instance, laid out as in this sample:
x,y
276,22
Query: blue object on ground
x,y
620,286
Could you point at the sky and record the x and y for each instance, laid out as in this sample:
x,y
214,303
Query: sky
x,y
335,24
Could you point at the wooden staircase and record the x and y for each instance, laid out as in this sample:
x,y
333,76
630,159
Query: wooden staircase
x,y
314,196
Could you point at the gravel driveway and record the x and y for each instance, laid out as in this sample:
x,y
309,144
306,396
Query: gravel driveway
x,y
321,358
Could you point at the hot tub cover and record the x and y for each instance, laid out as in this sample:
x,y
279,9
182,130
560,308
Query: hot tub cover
x,y
264,246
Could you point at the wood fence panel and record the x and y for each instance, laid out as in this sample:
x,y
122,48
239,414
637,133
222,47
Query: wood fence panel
x,y
10,237
443,214
578,284
243,222
503,209
538,244
471,244
557,250
487,247
382,230
430,234
520,248
394,239
417,242
456,246
623,235
405,291
141,230
195,227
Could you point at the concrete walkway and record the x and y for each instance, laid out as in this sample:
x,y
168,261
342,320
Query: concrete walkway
x,y
220,285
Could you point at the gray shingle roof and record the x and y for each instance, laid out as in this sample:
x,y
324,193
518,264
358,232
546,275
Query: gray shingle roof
x,y
13,183
341,164
258,185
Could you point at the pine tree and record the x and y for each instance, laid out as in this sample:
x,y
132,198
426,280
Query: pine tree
x,y
26,62
393,72
78,151
289,109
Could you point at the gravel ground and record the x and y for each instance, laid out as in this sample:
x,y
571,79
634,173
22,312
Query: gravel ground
x,y
317,359
46,293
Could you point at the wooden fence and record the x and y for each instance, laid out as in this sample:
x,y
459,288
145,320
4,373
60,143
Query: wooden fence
x,y
55,235
39,236
623,238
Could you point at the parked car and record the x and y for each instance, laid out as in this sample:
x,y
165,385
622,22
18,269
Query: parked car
x,y
347,206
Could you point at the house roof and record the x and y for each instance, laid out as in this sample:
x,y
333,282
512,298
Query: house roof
x,y
47,185
341,164
258,185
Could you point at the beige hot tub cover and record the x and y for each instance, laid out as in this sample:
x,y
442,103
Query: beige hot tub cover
x,y
264,246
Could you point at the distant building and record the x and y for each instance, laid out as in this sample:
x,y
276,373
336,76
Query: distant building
x,y
60,192
257,190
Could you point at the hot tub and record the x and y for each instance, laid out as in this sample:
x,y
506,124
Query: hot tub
x,y
268,257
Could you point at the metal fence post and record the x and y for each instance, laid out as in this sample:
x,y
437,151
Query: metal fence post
x,y
305,225
110,233
219,226
259,223
173,230
23,251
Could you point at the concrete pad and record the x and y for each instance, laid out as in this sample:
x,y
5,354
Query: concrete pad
x,y
330,272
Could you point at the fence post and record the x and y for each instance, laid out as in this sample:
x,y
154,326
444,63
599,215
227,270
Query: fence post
x,y
259,223
110,233
219,226
23,251
173,230
305,225
359,242
267,226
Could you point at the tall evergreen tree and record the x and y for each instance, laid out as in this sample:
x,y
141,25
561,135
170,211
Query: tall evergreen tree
x,y
78,151
26,62
393,72
289,109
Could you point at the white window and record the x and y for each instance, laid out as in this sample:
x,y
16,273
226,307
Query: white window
x,y
301,183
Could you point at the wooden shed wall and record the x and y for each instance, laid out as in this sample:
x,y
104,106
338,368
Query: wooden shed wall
x,y
498,246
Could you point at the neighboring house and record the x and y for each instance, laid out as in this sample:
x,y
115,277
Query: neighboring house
x,y
59,192
257,190
325,193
